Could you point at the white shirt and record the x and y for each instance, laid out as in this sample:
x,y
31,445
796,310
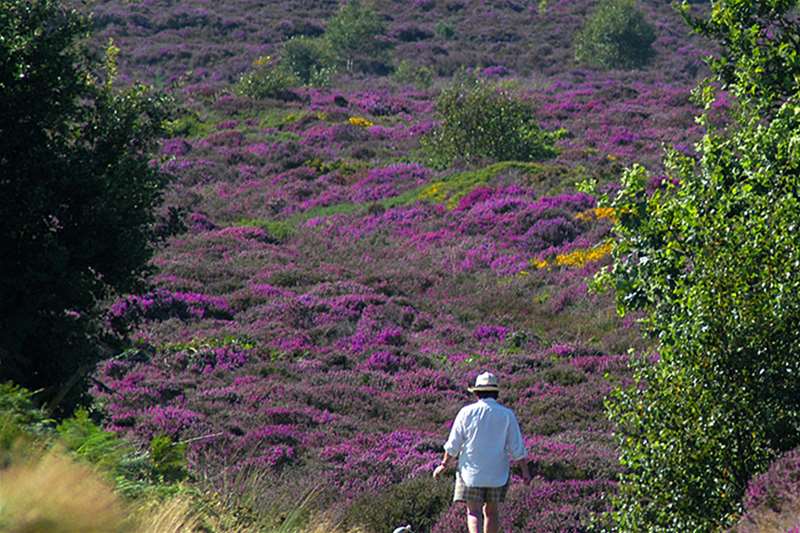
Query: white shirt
x,y
485,435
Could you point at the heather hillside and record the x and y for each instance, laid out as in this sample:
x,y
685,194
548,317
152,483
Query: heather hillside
x,y
324,290
323,295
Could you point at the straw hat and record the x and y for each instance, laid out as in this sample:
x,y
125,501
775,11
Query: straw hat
x,y
486,382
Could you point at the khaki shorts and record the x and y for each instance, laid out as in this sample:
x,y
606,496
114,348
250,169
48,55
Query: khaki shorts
x,y
463,493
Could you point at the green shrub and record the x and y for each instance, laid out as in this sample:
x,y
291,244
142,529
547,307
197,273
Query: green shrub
x,y
712,263
409,73
188,125
279,230
91,443
135,472
451,189
75,158
309,59
417,502
20,419
615,36
168,458
480,121
445,30
267,79
355,35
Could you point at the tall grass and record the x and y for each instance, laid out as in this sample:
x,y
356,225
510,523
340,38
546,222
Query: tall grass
x,y
54,493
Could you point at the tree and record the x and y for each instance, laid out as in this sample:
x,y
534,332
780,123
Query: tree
x,y
711,256
354,34
760,51
309,58
480,121
76,191
616,35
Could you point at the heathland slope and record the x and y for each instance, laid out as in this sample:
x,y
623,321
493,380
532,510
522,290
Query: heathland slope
x,y
322,297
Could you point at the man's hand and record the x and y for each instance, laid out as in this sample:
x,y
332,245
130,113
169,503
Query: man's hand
x,y
526,476
441,469
525,470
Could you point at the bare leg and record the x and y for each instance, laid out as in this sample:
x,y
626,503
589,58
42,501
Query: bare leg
x,y
474,517
491,517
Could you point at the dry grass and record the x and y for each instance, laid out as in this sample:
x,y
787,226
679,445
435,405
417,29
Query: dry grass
x,y
173,516
50,492
53,494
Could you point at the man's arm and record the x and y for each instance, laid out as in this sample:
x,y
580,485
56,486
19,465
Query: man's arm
x,y
451,448
525,470
448,461
515,447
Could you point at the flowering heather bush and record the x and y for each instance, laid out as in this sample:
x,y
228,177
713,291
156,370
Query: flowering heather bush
x,y
772,496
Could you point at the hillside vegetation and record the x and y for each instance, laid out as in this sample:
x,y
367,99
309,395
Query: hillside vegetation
x,y
369,204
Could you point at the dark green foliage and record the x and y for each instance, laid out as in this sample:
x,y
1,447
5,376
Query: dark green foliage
x,y
445,30
25,429
76,191
417,502
134,472
310,59
168,458
617,35
19,419
267,79
89,442
355,35
483,122
714,264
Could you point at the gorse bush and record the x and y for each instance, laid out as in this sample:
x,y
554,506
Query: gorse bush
x,y
616,35
481,121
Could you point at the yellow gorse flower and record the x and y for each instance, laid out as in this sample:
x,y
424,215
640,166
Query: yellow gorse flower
x,y
598,213
433,192
262,60
576,258
361,122
583,256
539,264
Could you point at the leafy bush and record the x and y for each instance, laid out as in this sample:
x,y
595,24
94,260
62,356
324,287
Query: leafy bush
x,y
409,73
417,502
617,35
76,195
20,419
168,458
309,59
268,79
355,35
712,260
89,442
480,121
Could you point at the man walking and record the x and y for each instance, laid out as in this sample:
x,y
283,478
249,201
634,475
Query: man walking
x,y
484,439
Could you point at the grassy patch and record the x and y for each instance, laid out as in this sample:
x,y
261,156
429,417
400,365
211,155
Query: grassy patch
x,y
279,230
190,126
453,188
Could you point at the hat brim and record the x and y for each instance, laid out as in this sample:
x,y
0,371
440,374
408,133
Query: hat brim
x,y
484,388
